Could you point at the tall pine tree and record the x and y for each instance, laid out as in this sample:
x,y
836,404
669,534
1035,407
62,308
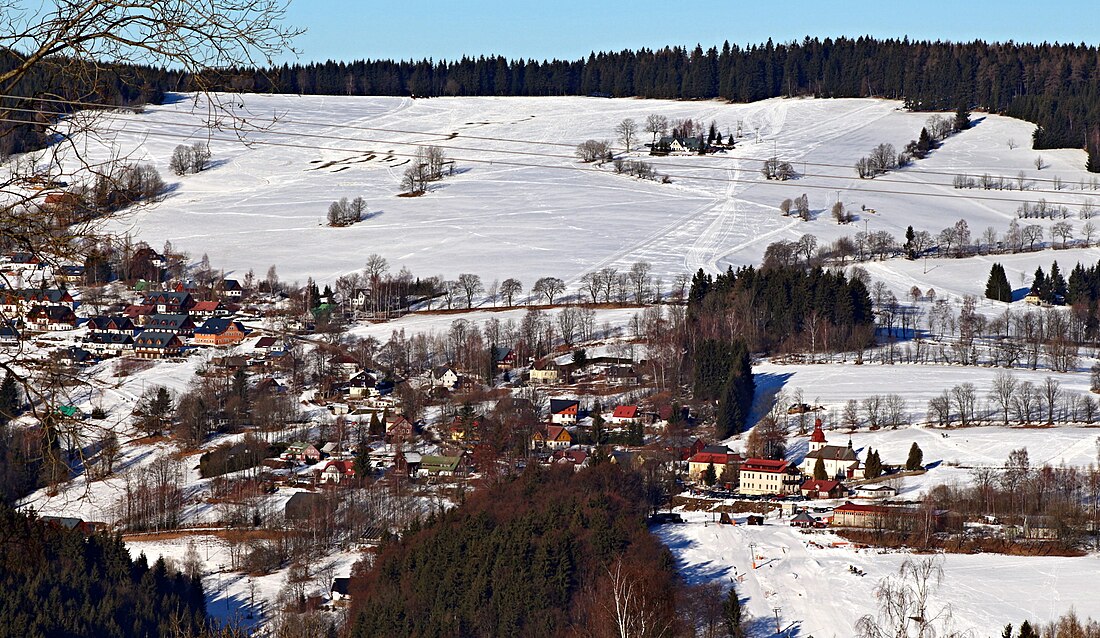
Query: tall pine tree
x,y
997,286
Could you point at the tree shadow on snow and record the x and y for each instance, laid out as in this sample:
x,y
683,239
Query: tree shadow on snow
x,y
768,384
1020,293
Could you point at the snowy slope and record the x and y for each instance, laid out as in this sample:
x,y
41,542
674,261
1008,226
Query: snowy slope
x,y
266,203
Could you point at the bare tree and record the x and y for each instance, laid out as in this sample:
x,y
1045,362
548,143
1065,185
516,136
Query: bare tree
x,y
471,285
593,150
1003,392
656,124
509,288
549,287
639,279
906,606
627,131
1039,163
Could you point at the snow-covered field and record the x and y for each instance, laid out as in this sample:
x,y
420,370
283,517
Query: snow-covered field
x,y
817,595
522,206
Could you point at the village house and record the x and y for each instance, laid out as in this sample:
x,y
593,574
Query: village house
x,y
72,274
432,465
875,491
818,489
109,343
769,477
398,428
219,332
139,313
888,517
337,471
625,415
553,437
170,302
564,411
547,374
153,344
443,377
685,447
179,324
9,334
111,325
208,309
302,452
51,318
699,462
503,358
230,289
840,462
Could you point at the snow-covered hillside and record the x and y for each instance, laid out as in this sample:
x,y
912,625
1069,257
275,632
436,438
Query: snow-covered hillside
x,y
522,206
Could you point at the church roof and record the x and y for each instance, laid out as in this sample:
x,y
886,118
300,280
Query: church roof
x,y
834,453
818,436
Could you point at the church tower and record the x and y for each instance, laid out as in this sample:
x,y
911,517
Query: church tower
x,y
817,439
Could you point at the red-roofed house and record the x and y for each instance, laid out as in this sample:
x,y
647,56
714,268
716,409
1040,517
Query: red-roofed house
x,y
698,464
337,471
563,411
767,476
814,488
625,415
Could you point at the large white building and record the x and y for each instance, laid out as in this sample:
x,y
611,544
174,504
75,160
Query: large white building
x,y
841,462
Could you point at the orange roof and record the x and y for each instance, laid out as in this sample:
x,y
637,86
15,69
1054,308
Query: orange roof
x,y
820,485
625,412
558,433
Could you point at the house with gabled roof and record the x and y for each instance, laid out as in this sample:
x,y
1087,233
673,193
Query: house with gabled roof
x,y
553,437
338,471
816,489
109,343
9,333
52,318
433,465
443,376
207,309
139,313
625,415
219,332
18,302
111,325
301,451
155,344
564,411
180,324
170,302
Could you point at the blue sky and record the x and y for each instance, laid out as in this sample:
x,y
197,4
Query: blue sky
x,y
402,29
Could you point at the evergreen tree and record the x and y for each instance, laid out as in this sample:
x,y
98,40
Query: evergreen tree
x,y
362,463
710,475
819,470
873,468
924,143
1026,630
1007,631
1039,285
910,250
962,119
733,615
1057,285
10,399
997,286
916,458
737,394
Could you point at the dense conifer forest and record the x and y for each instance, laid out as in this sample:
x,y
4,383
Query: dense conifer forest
x,y
1056,86
58,582
541,555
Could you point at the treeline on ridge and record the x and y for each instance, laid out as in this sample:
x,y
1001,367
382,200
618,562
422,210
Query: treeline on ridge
x,y
1055,86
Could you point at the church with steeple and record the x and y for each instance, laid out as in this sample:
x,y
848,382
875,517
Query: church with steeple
x,y
841,462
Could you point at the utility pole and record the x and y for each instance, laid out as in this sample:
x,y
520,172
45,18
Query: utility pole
x,y
776,610
752,554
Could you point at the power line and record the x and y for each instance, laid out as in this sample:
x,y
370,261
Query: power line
x,y
544,143
512,163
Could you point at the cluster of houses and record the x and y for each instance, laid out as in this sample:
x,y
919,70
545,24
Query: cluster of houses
x,y
160,325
